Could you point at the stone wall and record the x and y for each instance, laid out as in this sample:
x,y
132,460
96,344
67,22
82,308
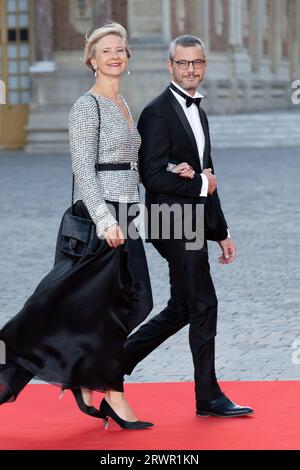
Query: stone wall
x,y
253,49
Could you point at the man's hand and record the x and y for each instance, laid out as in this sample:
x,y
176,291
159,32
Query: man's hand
x,y
114,236
212,180
184,170
228,251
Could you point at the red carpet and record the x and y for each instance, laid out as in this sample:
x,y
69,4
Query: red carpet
x,y
38,420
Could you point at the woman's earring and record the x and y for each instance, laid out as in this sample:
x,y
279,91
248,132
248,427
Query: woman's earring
x,y
128,72
95,68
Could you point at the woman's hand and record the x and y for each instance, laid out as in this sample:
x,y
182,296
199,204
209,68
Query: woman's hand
x,y
114,236
184,170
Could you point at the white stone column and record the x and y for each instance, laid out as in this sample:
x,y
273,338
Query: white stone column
x,y
239,55
295,41
199,9
101,12
236,24
166,27
277,11
257,13
43,37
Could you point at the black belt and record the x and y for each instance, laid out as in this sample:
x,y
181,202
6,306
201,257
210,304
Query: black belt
x,y
116,166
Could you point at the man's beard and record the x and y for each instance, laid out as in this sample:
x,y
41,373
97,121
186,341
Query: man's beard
x,y
187,85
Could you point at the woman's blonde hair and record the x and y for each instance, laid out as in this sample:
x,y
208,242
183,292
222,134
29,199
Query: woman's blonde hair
x,y
99,33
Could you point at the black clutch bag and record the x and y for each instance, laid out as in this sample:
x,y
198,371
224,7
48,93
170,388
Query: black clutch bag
x,y
77,231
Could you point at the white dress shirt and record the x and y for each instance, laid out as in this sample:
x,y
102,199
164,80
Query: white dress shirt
x,y
192,115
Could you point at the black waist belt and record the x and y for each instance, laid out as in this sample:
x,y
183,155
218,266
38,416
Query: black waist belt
x,y
116,166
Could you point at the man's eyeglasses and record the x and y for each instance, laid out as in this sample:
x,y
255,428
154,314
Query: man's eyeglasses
x,y
184,64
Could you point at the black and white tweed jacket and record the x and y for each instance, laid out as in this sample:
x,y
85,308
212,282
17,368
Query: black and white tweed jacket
x,y
118,144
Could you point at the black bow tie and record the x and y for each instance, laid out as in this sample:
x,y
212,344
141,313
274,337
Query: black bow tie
x,y
188,99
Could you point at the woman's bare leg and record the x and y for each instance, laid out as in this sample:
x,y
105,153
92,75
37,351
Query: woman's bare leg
x,y
87,395
120,405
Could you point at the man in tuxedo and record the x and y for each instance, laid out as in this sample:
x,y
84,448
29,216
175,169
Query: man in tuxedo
x,y
175,137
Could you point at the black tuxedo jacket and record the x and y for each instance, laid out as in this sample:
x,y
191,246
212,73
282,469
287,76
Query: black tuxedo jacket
x,y
167,137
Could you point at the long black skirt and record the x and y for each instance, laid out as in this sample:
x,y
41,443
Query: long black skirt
x,y
72,329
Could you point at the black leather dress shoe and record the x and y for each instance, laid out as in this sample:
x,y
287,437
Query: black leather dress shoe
x,y
222,407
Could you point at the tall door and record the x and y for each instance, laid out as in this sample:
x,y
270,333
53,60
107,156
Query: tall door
x,y
15,56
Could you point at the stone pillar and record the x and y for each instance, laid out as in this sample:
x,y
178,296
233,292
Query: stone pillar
x,y
166,10
239,56
200,20
180,16
257,13
294,45
43,112
277,12
43,36
236,24
239,60
101,12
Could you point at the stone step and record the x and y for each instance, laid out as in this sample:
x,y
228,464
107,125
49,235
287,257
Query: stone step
x,y
264,130
48,132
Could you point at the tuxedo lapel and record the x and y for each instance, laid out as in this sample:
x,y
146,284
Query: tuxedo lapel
x,y
206,137
185,123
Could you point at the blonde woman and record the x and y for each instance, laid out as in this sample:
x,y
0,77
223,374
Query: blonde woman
x,y
72,330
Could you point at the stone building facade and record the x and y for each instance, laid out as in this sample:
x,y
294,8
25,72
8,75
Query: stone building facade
x,y
253,49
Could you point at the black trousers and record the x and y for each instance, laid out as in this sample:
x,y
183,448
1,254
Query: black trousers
x,y
193,301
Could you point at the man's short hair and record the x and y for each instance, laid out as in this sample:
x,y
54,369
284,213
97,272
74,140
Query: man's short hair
x,y
186,40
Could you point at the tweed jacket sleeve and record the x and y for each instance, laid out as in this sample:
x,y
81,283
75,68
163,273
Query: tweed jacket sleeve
x,y
83,135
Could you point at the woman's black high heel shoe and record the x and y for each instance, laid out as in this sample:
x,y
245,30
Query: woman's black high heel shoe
x,y
88,410
15,378
106,412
